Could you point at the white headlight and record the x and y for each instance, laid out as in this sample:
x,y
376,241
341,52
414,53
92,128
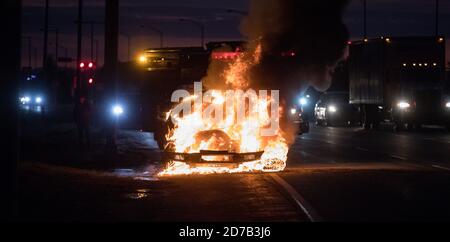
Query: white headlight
x,y
403,105
38,100
117,110
447,105
293,111
303,101
332,108
26,99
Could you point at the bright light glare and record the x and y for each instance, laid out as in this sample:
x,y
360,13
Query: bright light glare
x,y
332,108
38,100
26,99
117,110
293,111
142,59
303,101
403,105
447,105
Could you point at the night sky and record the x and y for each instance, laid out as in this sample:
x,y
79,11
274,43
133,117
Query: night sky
x,y
385,18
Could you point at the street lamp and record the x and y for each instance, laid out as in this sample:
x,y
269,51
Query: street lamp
x,y
198,24
161,34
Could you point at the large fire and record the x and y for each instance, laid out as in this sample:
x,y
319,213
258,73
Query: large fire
x,y
194,133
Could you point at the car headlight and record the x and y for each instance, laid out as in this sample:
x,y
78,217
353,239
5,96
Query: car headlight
x,y
142,59
403,105
447,105
117,110
25,99
332,109
293,111
303,101
38,100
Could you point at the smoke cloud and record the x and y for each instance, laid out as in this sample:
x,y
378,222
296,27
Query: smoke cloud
x,y
301,41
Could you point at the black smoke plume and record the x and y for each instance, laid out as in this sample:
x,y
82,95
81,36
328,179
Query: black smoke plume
x,y
301,40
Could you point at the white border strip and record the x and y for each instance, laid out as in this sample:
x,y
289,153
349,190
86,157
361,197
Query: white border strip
x,y
299,200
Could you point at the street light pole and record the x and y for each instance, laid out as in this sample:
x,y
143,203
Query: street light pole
x,y
44,60
35,56
91,23
56,31
129,47
28,38
79,45
56,45
160,32
96,51
200,25
92,40
437,18
365,19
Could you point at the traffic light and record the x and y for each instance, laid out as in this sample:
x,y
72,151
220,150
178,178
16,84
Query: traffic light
x,y
90,65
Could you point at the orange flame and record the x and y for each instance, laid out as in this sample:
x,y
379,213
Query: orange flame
x,y
193,133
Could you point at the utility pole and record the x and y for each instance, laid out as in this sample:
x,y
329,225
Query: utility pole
x,y
111,62
66,55
91,23
129,47
10,69
56,46
35,56
44,55
56,31
28,38
79,45
436,21
365,18
96,51
92,40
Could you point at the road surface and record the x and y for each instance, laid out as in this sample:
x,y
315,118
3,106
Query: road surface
x,y
333,174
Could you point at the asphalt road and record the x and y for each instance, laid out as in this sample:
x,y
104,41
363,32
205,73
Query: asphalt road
x,y
333,174
349,174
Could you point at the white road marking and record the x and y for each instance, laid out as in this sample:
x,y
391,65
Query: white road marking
x,y
398,157
441,167
299,200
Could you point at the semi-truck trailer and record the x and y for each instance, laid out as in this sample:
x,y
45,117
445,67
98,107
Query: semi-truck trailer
x,y
400,80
